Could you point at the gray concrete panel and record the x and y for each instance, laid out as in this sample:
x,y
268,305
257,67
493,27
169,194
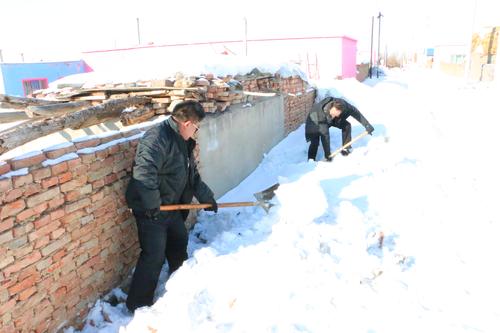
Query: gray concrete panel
x,y
233,143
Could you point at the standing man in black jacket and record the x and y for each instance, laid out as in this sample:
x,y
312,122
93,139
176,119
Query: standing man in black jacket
x,y
331,112
164,172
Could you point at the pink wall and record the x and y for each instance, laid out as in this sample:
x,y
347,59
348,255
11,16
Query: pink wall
x,y
348,57
320,57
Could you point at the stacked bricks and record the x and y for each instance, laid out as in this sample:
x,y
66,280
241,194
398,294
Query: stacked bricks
x,y
298,100
66,235
262,84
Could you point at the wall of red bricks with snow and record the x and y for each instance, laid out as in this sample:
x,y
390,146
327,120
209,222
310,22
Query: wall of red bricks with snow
x,y
66,235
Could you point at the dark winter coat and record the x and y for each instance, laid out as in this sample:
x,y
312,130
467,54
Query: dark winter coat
x,y
318,121
349,110
164,171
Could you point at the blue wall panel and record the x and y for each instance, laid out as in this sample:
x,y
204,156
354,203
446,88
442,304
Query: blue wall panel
x,y
14,74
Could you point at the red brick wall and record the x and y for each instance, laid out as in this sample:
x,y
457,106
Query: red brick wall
x,y
66,235
299,98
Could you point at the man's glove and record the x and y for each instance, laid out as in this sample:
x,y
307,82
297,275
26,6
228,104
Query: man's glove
x,y
214,206
369,129
346,151
152,214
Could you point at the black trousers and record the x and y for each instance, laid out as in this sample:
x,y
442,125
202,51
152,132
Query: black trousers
x,y
159,239
313,147
345,126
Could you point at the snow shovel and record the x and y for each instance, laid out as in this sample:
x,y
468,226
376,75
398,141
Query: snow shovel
x,y
262,197
348,144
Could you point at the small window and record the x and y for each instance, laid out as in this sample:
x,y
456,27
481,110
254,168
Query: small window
x,y
458,59
31,85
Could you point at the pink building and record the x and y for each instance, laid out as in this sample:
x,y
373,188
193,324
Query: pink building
x,y
320,57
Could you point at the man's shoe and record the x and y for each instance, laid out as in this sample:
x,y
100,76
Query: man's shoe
x,y
126,311
346,151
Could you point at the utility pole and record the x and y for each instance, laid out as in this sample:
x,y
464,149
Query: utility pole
x,y
378,49
138,32
371,50
490,45
246,36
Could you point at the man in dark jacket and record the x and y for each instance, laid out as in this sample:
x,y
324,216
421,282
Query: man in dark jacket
x,y
164,172
331,112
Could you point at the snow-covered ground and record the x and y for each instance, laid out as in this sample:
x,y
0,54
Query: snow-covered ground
x,y
427,180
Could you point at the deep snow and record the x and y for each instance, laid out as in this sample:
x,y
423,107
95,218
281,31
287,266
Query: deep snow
x,y
427,180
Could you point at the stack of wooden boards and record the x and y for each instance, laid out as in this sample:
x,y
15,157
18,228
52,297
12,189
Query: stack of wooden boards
x,y
73,106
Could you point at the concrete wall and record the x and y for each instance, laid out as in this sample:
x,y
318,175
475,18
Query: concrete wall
x,y
233,143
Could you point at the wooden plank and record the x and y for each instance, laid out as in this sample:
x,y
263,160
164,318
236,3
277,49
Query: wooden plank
x,y
11,116
136,116
149,93
76,120
90,98
108,91
161,100
160,105
14,102
177,98
162,83
180,92
58,109
118,96
224,98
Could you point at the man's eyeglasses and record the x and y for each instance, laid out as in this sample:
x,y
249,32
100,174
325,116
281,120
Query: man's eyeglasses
x,y
196,127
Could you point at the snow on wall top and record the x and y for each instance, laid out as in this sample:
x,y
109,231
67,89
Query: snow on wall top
x,y
135,67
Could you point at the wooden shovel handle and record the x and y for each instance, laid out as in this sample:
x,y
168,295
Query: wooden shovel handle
x,y
205,205
348,144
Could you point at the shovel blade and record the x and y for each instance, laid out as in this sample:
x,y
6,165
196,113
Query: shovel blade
x,y
265,205
266,194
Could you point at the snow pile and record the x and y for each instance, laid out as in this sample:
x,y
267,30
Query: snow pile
x,y
400,236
